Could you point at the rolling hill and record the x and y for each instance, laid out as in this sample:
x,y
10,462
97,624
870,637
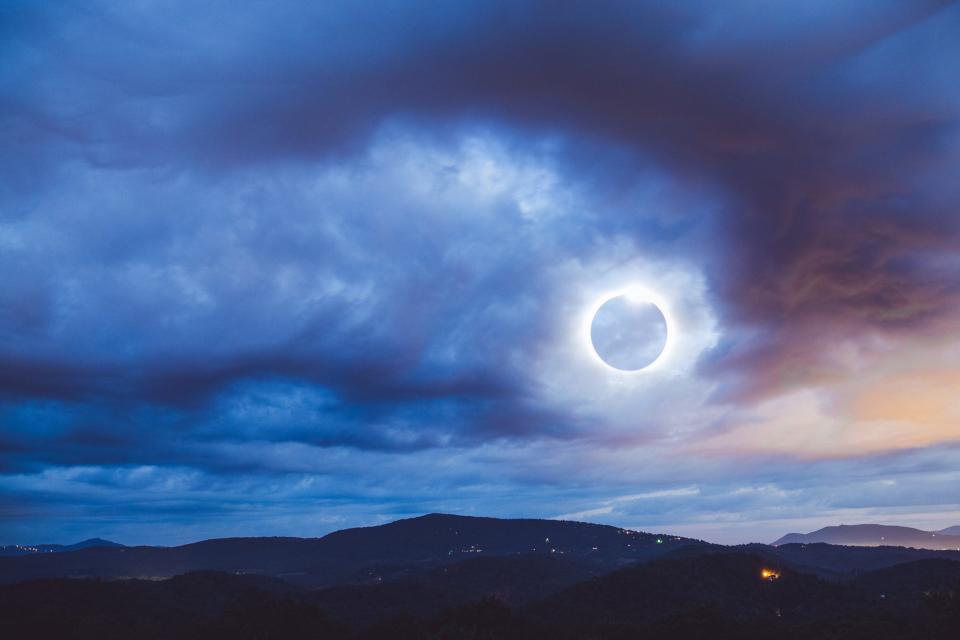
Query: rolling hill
x,y
30,549
362,555
407,550
708,594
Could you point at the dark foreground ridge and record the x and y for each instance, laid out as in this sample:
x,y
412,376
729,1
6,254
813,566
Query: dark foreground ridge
x,y
452,577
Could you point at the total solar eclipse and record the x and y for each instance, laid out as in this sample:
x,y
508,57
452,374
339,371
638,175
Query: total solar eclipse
x,y
629,330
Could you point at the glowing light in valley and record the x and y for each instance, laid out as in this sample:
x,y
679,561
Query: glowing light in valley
x,y
769,574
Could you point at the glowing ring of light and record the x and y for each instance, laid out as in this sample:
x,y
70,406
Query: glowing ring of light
x,y
638,293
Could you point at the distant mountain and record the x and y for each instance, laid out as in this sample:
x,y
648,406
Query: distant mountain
x,y
364,555
950,531
876,535
25,550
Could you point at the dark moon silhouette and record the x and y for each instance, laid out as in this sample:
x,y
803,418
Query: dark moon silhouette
x,y
628,334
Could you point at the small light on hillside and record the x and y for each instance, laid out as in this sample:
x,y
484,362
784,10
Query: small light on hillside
x,y
769,574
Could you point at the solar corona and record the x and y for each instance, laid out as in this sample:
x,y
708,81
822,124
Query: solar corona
x,y
630,330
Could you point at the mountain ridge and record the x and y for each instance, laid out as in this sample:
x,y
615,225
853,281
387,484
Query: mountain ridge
x,y
359,554
876,535
21,549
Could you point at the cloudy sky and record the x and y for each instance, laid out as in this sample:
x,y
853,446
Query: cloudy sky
x,y
297,266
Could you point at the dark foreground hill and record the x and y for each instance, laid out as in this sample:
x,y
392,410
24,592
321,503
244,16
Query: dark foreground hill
x,y
724,594
512,580
877,535
714,595
368,554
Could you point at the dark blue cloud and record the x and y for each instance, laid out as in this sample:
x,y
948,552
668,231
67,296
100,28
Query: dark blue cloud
x,y
292,242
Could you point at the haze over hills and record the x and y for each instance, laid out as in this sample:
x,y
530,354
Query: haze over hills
x,y
876,535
